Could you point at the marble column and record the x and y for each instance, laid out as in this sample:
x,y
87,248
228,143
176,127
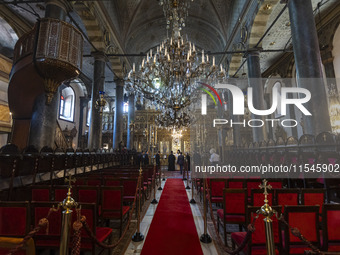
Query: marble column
x,y
308,64
131,119
95,128
44,117
255,81
118,118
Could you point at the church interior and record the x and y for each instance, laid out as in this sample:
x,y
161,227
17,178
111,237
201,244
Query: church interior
x,y
169,127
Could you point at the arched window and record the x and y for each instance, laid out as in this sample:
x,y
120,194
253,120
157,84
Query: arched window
x,y
126,107
88,117
66,109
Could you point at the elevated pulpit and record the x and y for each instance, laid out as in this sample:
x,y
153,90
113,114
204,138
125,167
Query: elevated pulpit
x,y
43,59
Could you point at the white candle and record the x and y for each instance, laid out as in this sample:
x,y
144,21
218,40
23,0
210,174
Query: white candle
x,y
154,59
213,61
151,53
143,62
194,48
168,58
221,68
202,56
171,41
134,67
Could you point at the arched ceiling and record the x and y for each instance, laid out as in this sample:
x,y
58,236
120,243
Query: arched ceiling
x,y
141,23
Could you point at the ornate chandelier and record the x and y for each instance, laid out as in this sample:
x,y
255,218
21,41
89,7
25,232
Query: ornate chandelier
x,y
168,75
175,10
174,119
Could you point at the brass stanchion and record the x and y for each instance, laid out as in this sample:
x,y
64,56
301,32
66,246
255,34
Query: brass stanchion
x,y
205,237
154,200
192,200
67,204
184,179
138,237
159,178
267,212
187,187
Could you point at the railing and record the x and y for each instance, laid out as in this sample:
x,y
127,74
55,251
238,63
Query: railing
x,y
60,139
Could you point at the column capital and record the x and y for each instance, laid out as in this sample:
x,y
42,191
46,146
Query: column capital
x,y
65,5
253,52
99,55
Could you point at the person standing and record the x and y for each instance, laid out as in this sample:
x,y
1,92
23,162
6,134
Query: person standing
x,y
180,162
188,160
146,158
140,159
214,157
171,161
158,160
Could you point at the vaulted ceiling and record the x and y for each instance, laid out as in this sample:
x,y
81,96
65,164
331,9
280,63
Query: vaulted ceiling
x,y
141,24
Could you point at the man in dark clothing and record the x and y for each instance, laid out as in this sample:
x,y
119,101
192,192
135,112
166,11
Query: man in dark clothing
x,y
140,159
158,160
188,160
146,158
180,161
171,161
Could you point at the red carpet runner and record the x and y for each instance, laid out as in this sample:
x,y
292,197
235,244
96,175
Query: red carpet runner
x,y
173,230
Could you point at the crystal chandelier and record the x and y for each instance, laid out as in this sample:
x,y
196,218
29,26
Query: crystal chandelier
x,y
174,119
168,75
175,10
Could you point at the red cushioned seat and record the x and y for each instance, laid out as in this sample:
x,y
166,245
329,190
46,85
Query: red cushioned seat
x,y
238,237
306,219
4,251
216,199
41,193
102,233
231,218
257,241
331,227
39,211
112,204
234,209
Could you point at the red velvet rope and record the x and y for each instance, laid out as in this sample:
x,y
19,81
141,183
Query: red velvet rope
x,y
93,236
250,230
42,223
296,232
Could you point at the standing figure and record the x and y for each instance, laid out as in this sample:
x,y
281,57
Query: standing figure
x,y
180,161
158,160
171,161
146,158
